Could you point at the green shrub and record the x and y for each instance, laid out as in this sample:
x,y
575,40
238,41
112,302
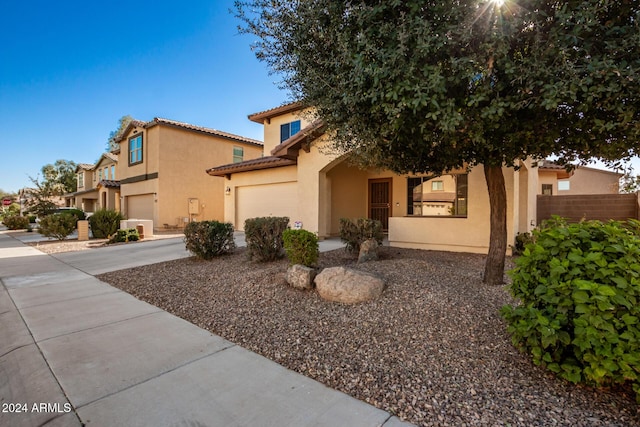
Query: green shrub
x,y
32,219
353,233
301,247
207,239
522,239
579,287
264,237
16,222
79,214
58,226
125,235
104,223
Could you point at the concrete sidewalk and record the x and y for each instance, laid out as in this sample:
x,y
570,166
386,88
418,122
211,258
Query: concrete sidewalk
x,y
76,351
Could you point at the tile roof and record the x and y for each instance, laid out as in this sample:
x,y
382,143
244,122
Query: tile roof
x,y
250,165
289,147
109,183
167,122
272,112
85,166
215,132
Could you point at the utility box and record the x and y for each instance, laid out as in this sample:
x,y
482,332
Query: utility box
x,y
83,230
194,206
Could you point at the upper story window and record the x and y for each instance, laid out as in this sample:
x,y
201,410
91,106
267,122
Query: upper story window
x,y
81,179
445,195
564,185
135,149
238,154
547,189
100,177
287,130
113,172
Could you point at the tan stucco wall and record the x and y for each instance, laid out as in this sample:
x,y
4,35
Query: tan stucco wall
x,y
181,158
272,128
470,234
592,181
287,174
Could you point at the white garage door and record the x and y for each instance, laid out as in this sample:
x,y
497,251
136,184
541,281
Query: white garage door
x,y
140,207
266,200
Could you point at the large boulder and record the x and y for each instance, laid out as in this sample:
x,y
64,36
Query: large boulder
x,y
300,276
342,284
368,251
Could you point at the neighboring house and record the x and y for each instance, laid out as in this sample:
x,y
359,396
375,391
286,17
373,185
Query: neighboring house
x,y
160,170
299,179
556,181
97,185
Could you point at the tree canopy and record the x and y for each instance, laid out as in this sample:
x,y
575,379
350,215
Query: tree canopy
x,y
60,178
421,86
123,122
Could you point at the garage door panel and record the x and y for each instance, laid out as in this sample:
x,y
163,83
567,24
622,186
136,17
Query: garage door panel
x,y
140,207
266,200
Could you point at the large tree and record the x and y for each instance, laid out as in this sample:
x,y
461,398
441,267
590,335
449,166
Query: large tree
x,y
60,177
114,135
425,86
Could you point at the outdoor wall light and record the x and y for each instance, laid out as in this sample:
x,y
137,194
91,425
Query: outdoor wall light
x,y
227,191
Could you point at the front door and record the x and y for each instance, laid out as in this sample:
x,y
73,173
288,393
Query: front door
x,y
380,201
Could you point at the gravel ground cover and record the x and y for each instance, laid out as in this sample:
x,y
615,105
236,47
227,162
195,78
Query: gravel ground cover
x,y
433,350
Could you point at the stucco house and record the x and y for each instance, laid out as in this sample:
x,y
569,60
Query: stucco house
x,y
97,185
555,180
160,170
299,179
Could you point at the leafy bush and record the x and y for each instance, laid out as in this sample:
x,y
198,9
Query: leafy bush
x,y
32,219
579,285
16,222
264,237
104,223
207,239
58,226
353,233
301,247
125,235
79,214
522,239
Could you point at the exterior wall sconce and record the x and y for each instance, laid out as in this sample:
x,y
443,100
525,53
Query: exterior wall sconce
x,y
227,191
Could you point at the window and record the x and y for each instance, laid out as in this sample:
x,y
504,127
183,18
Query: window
x,y
444,195
100,174
547,189
564,185
238,154
287,130
135,150
81,179
113,172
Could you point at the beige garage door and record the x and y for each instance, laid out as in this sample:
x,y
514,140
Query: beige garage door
x,y
140,207
266,200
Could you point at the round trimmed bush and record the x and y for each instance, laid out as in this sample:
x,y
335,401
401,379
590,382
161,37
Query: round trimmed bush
x,y
58,226
579,287
301,247
208,239
16,222
105,223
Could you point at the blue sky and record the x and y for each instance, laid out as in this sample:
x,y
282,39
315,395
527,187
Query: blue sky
x,y
70,69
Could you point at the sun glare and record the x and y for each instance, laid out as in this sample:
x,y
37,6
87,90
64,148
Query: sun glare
x,y
498,3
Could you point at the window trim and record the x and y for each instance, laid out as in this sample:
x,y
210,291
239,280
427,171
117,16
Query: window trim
x,y
425,178
237,158
284,135
138,150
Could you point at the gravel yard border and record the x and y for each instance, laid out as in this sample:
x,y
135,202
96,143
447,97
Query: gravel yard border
x,y
432,350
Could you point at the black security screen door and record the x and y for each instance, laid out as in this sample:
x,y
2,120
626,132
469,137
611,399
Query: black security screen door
x,y
380,201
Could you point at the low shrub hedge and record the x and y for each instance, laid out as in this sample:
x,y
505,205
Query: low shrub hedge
x,y
104,223
301,247
354,232
579,287
264,237
58,226
208,239
16,222
125,235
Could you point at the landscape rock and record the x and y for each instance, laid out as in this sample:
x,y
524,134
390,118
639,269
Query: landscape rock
x,y
368,251
349,286
300,276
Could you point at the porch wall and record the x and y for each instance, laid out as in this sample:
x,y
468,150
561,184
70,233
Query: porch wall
x,y
470,234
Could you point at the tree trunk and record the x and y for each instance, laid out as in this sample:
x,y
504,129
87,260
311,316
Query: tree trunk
x,y
494,266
